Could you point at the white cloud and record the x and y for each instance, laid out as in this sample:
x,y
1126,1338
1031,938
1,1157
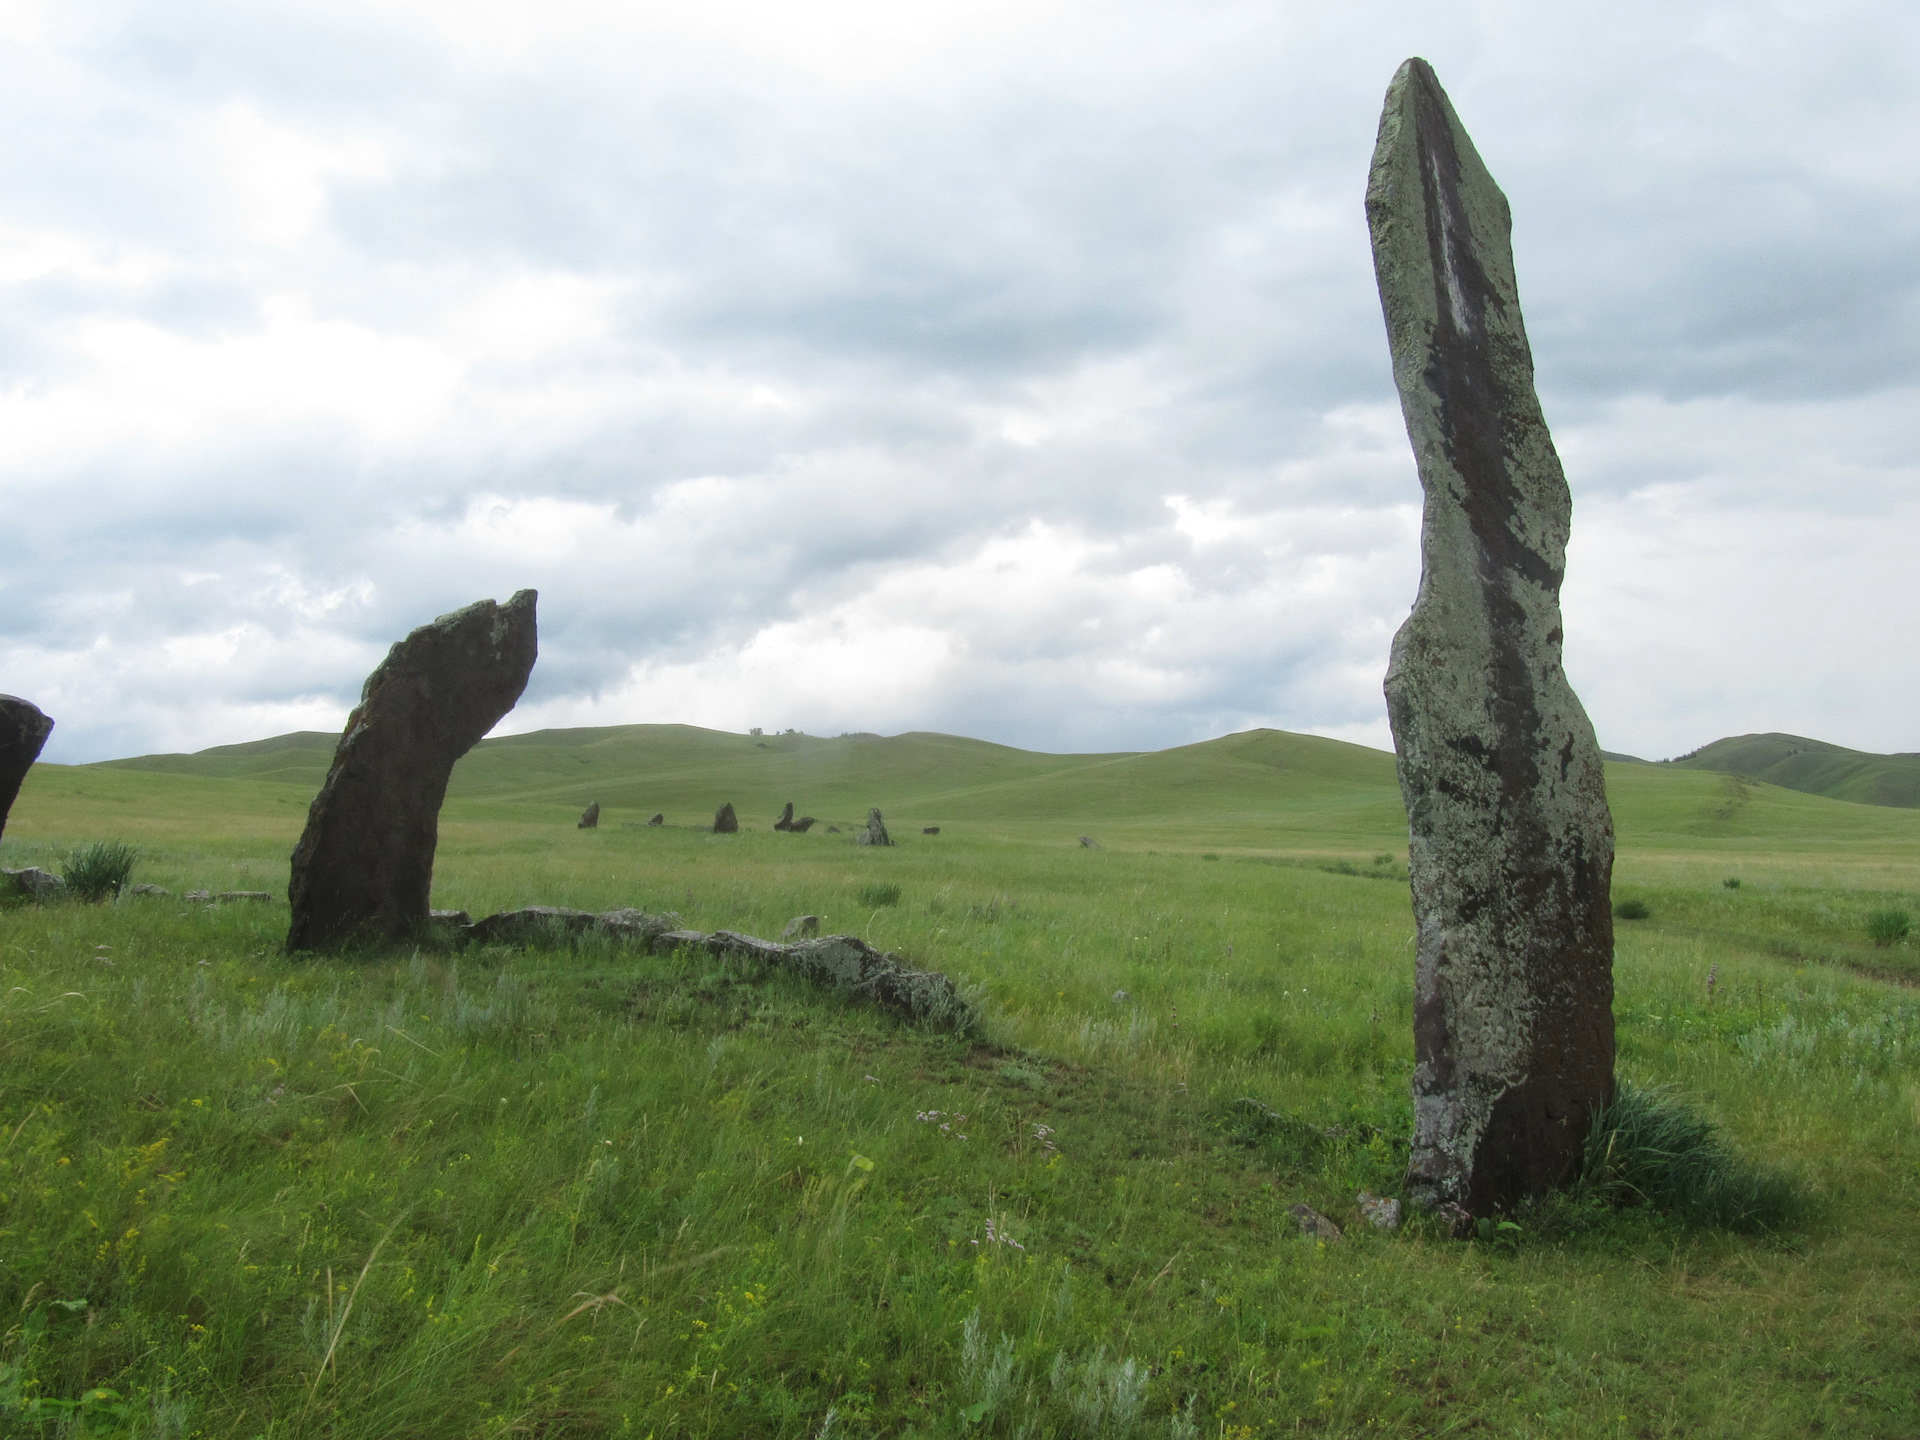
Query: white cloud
x,y
1013,370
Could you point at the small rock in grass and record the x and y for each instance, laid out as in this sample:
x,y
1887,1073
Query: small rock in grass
x,y
1119,997
159,890
1087,842
658,819
1313,1224
226,895
202,895
1381,1212
1459,1224
801,927
33,881
930,830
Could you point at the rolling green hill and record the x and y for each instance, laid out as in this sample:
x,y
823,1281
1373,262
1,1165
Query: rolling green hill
x,y
1813,766
1261,790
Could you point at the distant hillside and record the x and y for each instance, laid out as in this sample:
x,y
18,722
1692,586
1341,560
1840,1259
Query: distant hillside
x,y
686,771
1813,766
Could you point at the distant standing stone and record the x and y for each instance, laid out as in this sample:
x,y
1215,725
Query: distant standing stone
x,y
658,819
1087,842
1512,844
364,867
801,927
785,822
875,833
23,732
590,817
725,822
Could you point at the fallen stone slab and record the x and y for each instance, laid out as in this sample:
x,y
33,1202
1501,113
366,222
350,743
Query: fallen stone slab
x,y
160,891
1511,854
24,729
255,895
364,866
536,923
802,825
846,963
34,882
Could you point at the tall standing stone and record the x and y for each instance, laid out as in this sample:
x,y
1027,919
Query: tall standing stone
x,y
23,731
590,817
876,831
725,822
785,822
364,867
1512,844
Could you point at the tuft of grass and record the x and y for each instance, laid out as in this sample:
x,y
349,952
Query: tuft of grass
x,y
98,870
1889,927
1732,882
1631,910
878,894
1650,1147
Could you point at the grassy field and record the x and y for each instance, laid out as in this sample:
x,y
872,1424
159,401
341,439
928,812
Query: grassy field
x,y
590,1192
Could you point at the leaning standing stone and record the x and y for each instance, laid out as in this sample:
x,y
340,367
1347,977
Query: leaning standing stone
x,y
364,867
785,822
1512,844
590,817
23,731
725,822
875,833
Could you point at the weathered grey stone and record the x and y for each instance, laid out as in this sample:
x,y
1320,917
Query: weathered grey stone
x,y
1313,1224
536,924
158,891
801,927
725,822
785,822
34,882
802,825
1381,1212
1512,845
249,895
364,867
459,919
198,896
875,833
1087,842
929,829
23,733
658,819
845,962
590,817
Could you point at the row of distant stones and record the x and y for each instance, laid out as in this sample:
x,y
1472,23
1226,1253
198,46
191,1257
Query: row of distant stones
x,y
727,822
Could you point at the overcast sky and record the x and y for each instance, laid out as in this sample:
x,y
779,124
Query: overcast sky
x,y
1012,370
